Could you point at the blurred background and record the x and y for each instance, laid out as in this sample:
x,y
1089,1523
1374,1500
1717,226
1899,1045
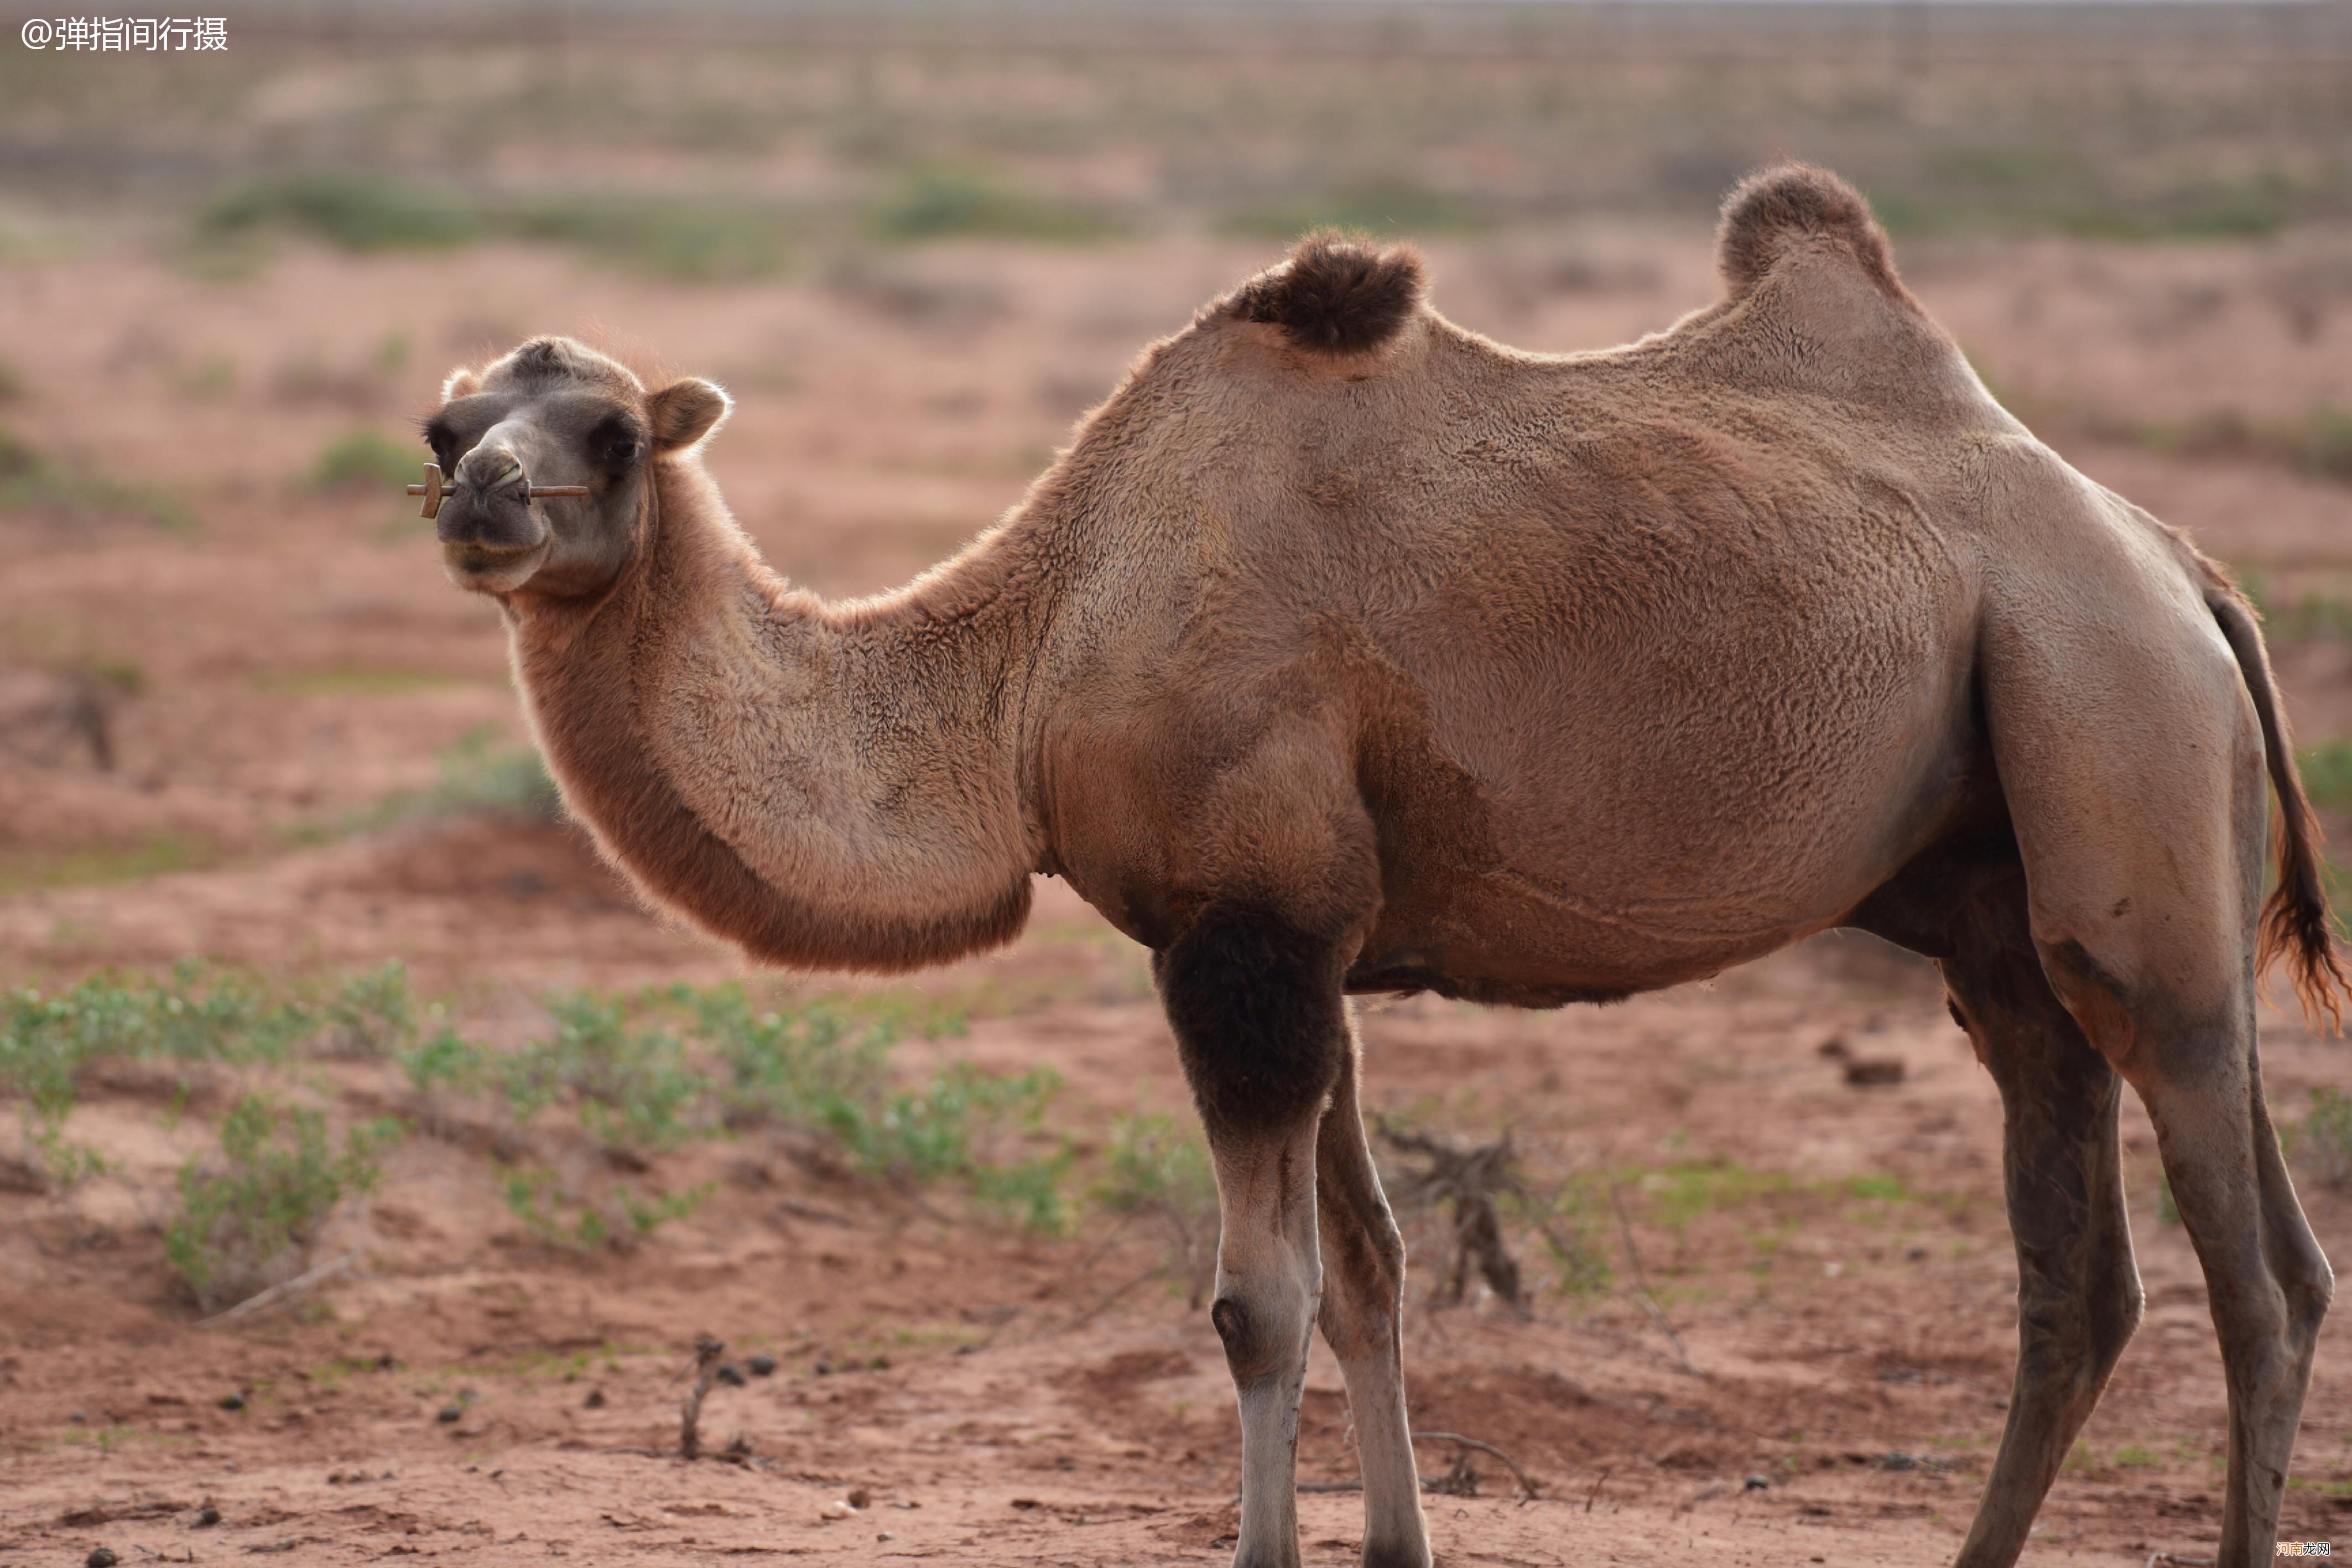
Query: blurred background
x,y
308,973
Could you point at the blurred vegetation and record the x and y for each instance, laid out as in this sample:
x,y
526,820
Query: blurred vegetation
x,y
1390,208
2326,770
74,493
2322,1142
942,203
1157,1168
2193,125
250,1217
367,459
364,213
80,865
482,773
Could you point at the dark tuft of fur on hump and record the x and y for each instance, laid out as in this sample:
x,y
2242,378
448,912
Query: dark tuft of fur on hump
x,y
1774,208
1336,295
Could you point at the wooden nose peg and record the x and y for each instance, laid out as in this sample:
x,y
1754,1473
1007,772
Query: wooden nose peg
x,y
434,491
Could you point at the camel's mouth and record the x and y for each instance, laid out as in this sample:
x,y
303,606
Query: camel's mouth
x,y
492,569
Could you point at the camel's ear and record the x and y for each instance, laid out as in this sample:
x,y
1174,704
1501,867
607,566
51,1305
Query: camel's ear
x,y
685,411
462,383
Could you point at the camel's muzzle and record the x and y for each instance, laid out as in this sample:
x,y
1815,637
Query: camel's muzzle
x,y
490,538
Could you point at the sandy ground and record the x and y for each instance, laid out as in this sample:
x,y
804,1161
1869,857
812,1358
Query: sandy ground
x,y
986,1396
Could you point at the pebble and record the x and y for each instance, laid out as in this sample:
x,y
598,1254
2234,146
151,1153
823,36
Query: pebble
x,y
232,1401
450,1415
730,1375
207,1516
762,1364
1754,1483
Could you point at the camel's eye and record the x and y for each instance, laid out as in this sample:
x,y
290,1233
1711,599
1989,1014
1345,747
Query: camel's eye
x,y
622,451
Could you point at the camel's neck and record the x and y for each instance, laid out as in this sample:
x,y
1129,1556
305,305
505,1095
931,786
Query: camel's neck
x,y
835,787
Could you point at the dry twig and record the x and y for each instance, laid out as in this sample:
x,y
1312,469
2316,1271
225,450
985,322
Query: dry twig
x,y
281,1291
1468,1181
1642,1285
707,1352
1527,1483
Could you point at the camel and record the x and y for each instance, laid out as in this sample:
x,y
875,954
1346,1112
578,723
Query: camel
x,y
1346,651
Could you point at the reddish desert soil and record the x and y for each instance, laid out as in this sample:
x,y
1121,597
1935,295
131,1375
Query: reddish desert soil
x,y
988,1396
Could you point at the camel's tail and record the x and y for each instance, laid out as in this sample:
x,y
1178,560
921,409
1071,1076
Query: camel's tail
x,y
2296,924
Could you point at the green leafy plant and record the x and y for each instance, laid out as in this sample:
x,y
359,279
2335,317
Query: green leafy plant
x,y
619,1217
2322,1142
824,1071
944,204
75,492
46,1042
253,1214
366,459
1157,1169
632,1088
373,1014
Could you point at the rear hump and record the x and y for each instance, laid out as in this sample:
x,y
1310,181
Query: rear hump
x,y
1776,210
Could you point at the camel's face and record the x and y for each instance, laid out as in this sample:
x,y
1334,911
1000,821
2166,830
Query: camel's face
x,y
554,412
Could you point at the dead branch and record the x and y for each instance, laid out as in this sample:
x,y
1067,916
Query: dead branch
x,y
281,1291
1468,1181
1642,1285
1527,1483
707,1352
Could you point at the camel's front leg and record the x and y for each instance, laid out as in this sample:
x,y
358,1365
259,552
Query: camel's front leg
x,y
1262,1028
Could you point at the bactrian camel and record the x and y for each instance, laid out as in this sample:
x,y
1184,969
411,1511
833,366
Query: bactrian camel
x,y
1346,651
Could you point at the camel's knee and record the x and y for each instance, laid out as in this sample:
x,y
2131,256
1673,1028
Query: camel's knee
x,y
2177,1026
1264,1337
1260,1021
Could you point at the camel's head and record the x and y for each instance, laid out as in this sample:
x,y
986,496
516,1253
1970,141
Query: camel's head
x,y
554,412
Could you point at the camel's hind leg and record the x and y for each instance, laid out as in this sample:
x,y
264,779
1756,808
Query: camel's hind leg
x,y
2267,1278
1363,1305
2078,1295
2132,761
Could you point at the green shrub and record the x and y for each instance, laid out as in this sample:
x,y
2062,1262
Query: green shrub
x,y
1158,1170
447,1062
619,1218
2326,770
2323,444
1386,208
825,1072
367,459
372,1014
696,242
72,492
632,1088
2322,1142
253,1214
939,203
353,212
46,1043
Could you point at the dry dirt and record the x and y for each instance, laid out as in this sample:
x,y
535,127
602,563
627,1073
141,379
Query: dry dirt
x,y
987,1397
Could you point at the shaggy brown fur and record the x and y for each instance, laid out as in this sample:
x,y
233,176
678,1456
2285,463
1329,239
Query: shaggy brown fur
x,y
1797,204
1347,649
1334,294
